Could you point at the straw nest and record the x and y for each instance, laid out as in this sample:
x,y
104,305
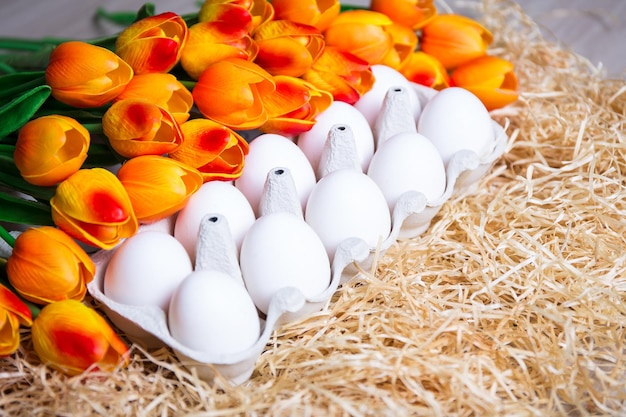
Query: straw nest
x,y
513,303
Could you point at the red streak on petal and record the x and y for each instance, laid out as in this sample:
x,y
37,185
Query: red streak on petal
x,y
163,56
214,141
107,208
74,345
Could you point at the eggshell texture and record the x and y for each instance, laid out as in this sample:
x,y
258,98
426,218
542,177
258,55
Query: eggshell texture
x,y
213,197
312,142
408,162
146,269
347,203
371,103
211,312
267,152
281,250
455,119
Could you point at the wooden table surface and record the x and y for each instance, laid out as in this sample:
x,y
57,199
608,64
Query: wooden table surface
x,y
595,29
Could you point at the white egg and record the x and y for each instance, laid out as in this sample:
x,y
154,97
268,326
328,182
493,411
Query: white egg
x,y
386,77
212,313
146,269
455,119
408,162
281,250
267,152
213,197
312,142
347,203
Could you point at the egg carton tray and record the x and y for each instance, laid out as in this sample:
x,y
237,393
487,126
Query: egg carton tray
x,y
412,215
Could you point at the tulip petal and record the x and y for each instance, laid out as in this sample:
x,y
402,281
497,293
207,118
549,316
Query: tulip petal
x,y
12,304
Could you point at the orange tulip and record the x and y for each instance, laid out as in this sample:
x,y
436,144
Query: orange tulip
x,y
13,313
93,207
50,148
47,265
342,74
317,13
154,43
84,75
490,78
363,33
137,127
413,14
207,45
164,90
215,150
287,48
71,337
455,39
230,92
153,178
404,42
293,107
230,11
424,69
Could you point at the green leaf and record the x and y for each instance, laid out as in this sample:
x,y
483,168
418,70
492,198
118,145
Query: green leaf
x,y
17,183
13,84
146,10
20,211
15,113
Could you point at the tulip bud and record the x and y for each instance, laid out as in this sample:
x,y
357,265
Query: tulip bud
x,y
287,48
455,39
231,91
50,148
71,337
363,33
425,69
490,78
161,89
153,178
215,150
413,14
84,75
154,43
47,265
93,207
293,106
316,13
137,127
13,313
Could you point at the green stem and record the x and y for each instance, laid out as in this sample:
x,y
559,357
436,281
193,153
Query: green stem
x,y
188,84
6,68
6,236
8,149
93,128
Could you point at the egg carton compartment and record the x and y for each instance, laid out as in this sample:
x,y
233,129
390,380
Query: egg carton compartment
x,y
411,216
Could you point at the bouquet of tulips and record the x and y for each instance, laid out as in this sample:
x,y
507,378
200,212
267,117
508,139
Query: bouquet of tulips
x,y
99,136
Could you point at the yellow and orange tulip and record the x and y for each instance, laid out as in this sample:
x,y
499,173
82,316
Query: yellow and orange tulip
x,y
154,43
50,148
342,74
361,32
404,42
208,44
413,14
137,127
293,106
425,69
454,39
287,48
162,89
213,149
83,75
490,78
153,178
262,11
13,313
93,207
231,91
226,12
317,13
47,266
71,337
